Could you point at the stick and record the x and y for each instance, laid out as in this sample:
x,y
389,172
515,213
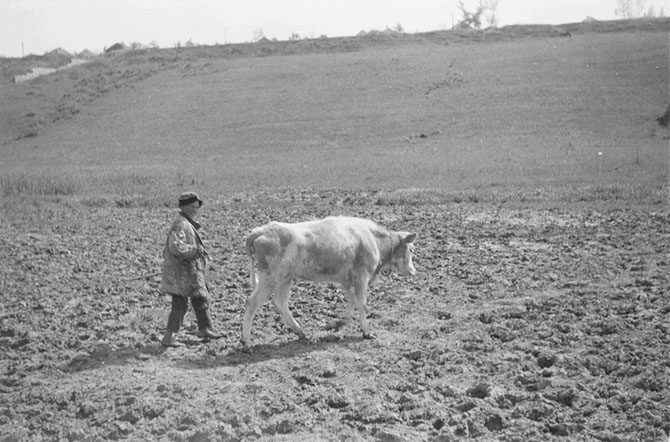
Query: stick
x,y
151,275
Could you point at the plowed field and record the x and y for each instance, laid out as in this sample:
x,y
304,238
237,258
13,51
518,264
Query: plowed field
x,y
524,323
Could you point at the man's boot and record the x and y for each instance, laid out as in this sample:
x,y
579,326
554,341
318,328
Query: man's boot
x,y
169,340
201,309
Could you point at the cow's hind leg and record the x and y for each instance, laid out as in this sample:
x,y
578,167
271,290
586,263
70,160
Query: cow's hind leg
x,y
281,302
260,294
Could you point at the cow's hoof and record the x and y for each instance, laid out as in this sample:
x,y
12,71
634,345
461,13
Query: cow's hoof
x,y
369,336
246,349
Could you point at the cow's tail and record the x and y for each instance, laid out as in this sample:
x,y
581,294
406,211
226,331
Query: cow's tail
x,y
251,253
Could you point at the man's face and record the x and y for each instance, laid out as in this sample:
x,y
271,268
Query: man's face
x,y
191,210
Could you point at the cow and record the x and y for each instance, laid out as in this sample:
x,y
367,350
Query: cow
x,y
345,250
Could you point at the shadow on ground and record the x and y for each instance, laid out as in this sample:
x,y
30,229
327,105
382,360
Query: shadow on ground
x,y
266,352
102,355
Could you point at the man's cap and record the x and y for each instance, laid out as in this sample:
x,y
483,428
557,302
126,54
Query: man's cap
x,y
187,198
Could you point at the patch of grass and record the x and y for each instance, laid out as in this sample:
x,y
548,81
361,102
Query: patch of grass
x,y
126,191
134,201
622,192
632,193
416,197
96,201
24,184
93,191
120,201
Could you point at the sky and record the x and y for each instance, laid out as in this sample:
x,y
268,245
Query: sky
x,y
38,26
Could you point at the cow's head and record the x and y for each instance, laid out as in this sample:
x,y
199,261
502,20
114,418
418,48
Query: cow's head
x,y
401,260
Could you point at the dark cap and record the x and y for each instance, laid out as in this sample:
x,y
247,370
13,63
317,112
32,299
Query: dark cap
x,y
187,198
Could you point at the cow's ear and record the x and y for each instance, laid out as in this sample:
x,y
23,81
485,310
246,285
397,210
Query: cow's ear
x,y
409,237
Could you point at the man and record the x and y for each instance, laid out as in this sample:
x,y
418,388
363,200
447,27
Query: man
x,y
184,262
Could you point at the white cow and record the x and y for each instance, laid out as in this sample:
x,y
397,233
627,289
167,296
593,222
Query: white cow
x,y
348,251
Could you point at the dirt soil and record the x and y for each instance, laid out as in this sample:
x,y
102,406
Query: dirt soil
x,y
523,324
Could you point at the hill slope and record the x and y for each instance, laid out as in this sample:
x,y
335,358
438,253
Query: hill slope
x,y
517,107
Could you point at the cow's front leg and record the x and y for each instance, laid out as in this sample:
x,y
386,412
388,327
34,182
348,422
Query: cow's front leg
x,y
348,313
281,302
359,298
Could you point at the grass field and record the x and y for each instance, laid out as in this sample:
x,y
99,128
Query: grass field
x,y
523,112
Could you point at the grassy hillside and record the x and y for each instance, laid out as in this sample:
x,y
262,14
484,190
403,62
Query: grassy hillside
x,y
516,109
